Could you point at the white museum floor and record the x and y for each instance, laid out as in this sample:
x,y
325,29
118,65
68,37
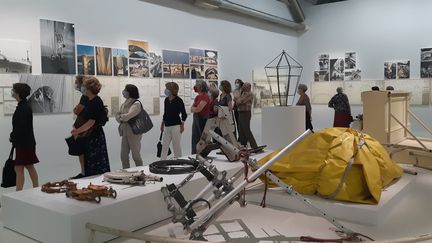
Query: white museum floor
x,y
411,217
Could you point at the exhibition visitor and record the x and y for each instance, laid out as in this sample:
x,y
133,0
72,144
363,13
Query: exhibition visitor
x,y
80,120
304,101
213,106
226,101
340,103
238,83
244,107
200,109
173,120
22,136
130,143
96,154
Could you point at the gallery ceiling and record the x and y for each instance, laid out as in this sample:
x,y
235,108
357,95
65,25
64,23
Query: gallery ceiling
x,y
319,2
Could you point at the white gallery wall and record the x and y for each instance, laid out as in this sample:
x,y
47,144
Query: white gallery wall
x,y
243,45
378,30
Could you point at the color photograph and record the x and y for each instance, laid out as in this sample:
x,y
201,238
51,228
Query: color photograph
x,y
211,57
337,69
138,49
85,60
138,68
197,71
57,47
155,65
196,56
15,56
389,70
49,93
104,61
176,64
350,60
120,62
403,71
211,73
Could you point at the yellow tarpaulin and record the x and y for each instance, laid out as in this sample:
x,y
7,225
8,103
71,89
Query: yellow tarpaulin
x,y
317,166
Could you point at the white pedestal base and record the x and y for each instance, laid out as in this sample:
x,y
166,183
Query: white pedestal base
x,y
282,124
352,212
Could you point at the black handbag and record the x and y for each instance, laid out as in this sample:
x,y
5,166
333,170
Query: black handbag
x,y
9,175
77,146
159,147
141,123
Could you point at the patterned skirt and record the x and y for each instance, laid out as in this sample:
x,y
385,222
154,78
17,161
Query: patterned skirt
x,y
96,160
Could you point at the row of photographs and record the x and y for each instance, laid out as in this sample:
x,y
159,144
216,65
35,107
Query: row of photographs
x,y
337,69
397,70
60,55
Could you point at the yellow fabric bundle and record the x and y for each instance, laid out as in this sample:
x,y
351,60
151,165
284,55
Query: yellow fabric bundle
x,y
317,165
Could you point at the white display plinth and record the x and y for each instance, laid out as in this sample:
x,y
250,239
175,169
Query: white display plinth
x,y
53,218
352,212
282,124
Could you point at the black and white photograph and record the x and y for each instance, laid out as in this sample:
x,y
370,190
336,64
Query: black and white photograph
x,y
197,71
1,95
211,57
324,56
196,56
353,75
15,56
403,70
120,62
50,93
7,94
85,60
351,60
57,47
389,70
211,73
138,49
104,61
426,69
426,55
320,76
175,64
324,64
155,65
337,69
139,68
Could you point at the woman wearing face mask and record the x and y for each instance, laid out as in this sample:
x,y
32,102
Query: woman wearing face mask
x,y
244,106
225,100
200,109
237,92
172,124
130,142
78,111
22,137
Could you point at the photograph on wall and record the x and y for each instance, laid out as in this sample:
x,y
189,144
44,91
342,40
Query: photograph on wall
x,y
175,64
324,64
197,56
7,94
197,71
1,95
426,55
85,60
324,56
9,107
120,62
211,57
104,61
351,60
138,68
403,70
50,93
211,72
426,69
389,70
353,75
214,83
155,65
7,80
337,69
15,56
138,49
57,47
320,76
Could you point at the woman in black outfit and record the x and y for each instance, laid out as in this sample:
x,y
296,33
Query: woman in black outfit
x,y
22,137
96,156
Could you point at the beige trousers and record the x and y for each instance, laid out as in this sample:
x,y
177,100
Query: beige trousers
x,y
130,143
171,134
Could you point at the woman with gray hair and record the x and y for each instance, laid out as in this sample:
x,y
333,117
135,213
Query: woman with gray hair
x,y
304,101
200,110
340,103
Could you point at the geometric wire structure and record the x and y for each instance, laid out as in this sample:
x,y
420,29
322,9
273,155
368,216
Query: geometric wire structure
x,y
285,72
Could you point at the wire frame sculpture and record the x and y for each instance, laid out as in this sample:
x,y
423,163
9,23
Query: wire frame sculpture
x,y
285,72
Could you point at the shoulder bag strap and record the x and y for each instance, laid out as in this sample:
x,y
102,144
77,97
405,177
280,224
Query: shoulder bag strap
x,y
11,152
160,137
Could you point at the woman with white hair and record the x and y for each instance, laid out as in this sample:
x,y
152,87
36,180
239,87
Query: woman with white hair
x,y
305,101
340,103
200,110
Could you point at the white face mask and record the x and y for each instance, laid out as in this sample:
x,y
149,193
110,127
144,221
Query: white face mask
x,y
13,94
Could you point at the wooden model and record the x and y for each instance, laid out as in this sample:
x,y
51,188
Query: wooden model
x,y
84,195
102,191
58,187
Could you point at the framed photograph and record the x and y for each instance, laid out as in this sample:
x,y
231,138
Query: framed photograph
x,y
324,64
351,60
7,94
104,61
211,73
197,71
15,56
320,76
85,60
426,69
120,62
176,64
197,56
211,57
426,55
138,49
389,70
352,75
155,65
138,68
403,70
337,69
